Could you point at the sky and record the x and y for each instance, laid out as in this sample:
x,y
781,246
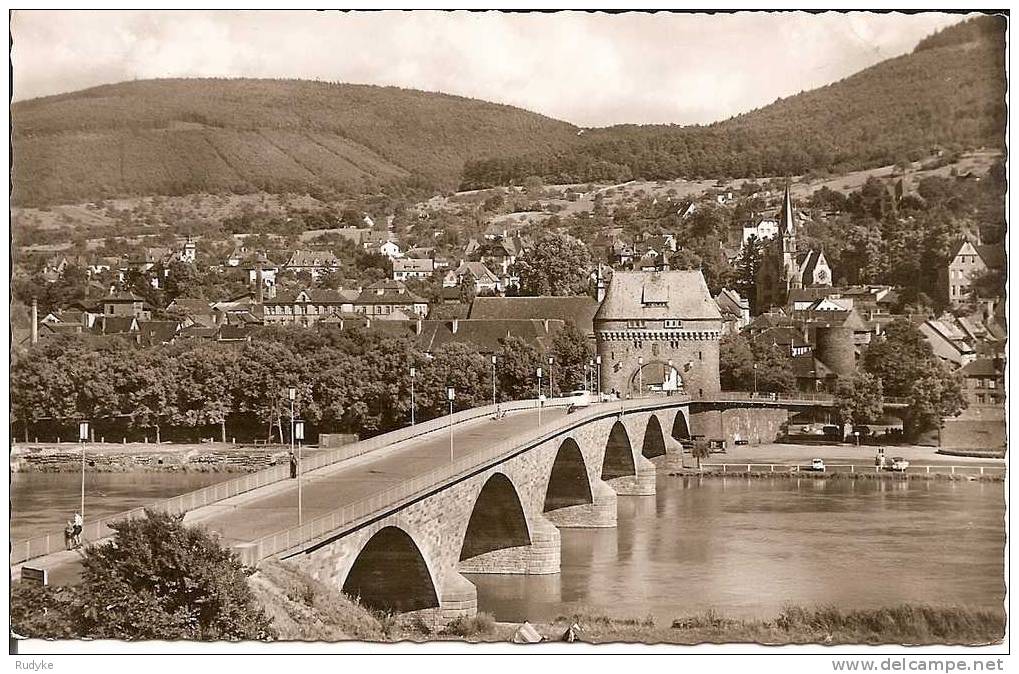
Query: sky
x,y
591,69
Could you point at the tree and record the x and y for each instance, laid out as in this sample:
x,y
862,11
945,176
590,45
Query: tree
x,y
572,353
557,264
157,579
906,366
932,398
518,366
774,369
858,399
747,263
735,363
458,366
899,358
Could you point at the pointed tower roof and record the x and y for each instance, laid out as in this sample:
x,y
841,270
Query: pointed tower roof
x,y
785,218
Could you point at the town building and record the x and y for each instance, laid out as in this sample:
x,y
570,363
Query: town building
x,y
735,311
968,263
984,381
386,299
307,307
408,268
659,330
315,262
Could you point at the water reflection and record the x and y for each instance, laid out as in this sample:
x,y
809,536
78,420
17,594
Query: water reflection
x,y
748,547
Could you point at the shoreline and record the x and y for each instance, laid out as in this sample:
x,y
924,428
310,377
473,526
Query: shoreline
x,y
842,475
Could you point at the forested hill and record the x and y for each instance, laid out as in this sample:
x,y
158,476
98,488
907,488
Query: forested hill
x,y
181,136
947,94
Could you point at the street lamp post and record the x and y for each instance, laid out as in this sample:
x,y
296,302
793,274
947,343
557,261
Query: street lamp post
x,y
83,437
493,381
539,397
551,380
640,375
590,375
671,385
451,396
755,380
597,360
413,375
292,395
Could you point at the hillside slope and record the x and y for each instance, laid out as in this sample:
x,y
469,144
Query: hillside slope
x,y
176,137
948,93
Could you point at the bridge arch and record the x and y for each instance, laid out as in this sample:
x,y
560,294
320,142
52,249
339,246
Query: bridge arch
x,y
568,481
680,427
497,520
618,460
390,573
654,439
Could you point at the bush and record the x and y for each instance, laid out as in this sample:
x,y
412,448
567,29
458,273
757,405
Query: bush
x,y
157,579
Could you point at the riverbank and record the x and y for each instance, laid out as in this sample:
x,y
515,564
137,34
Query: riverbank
x,y
303,609
148,457
734,471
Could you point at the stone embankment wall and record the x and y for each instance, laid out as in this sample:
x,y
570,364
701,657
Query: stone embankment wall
x,y
240,460
756,426
975,428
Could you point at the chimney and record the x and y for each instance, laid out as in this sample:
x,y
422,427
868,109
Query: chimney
x,y
456,325
35,321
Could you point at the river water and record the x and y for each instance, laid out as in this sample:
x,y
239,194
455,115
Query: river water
x,y
740,547
41,503
749,547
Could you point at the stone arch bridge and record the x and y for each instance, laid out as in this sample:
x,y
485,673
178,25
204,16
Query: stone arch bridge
x,y
499,513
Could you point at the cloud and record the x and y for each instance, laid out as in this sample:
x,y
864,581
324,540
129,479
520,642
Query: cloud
x,y
592,69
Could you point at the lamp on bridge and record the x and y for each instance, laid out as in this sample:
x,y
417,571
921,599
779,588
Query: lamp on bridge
x,y
551,379
755,380
597,360
450,396
590,375
413,374
539,397
640,375
83,438
292,396
493,379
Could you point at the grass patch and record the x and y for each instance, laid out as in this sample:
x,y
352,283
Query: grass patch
x,y
472,627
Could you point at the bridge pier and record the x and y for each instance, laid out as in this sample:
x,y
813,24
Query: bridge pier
x,y
457,597
641,484
600,512
541,556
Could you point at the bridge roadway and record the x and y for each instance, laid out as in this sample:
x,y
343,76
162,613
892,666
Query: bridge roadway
x,y
273,508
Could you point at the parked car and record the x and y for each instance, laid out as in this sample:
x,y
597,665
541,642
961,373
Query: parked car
x,y
899,464
831,431
817,465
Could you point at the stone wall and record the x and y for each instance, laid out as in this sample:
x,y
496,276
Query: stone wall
x,y
976,428
757,425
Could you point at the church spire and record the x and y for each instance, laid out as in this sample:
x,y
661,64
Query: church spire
x,y
786,216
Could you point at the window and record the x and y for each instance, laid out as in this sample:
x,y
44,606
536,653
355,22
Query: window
x,y
673,323
654,349
991,383
980,398
635,325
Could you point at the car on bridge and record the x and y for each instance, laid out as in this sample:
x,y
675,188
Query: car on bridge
x,y
817,465
580,398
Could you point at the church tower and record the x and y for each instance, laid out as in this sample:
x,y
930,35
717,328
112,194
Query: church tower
x,y
788,229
